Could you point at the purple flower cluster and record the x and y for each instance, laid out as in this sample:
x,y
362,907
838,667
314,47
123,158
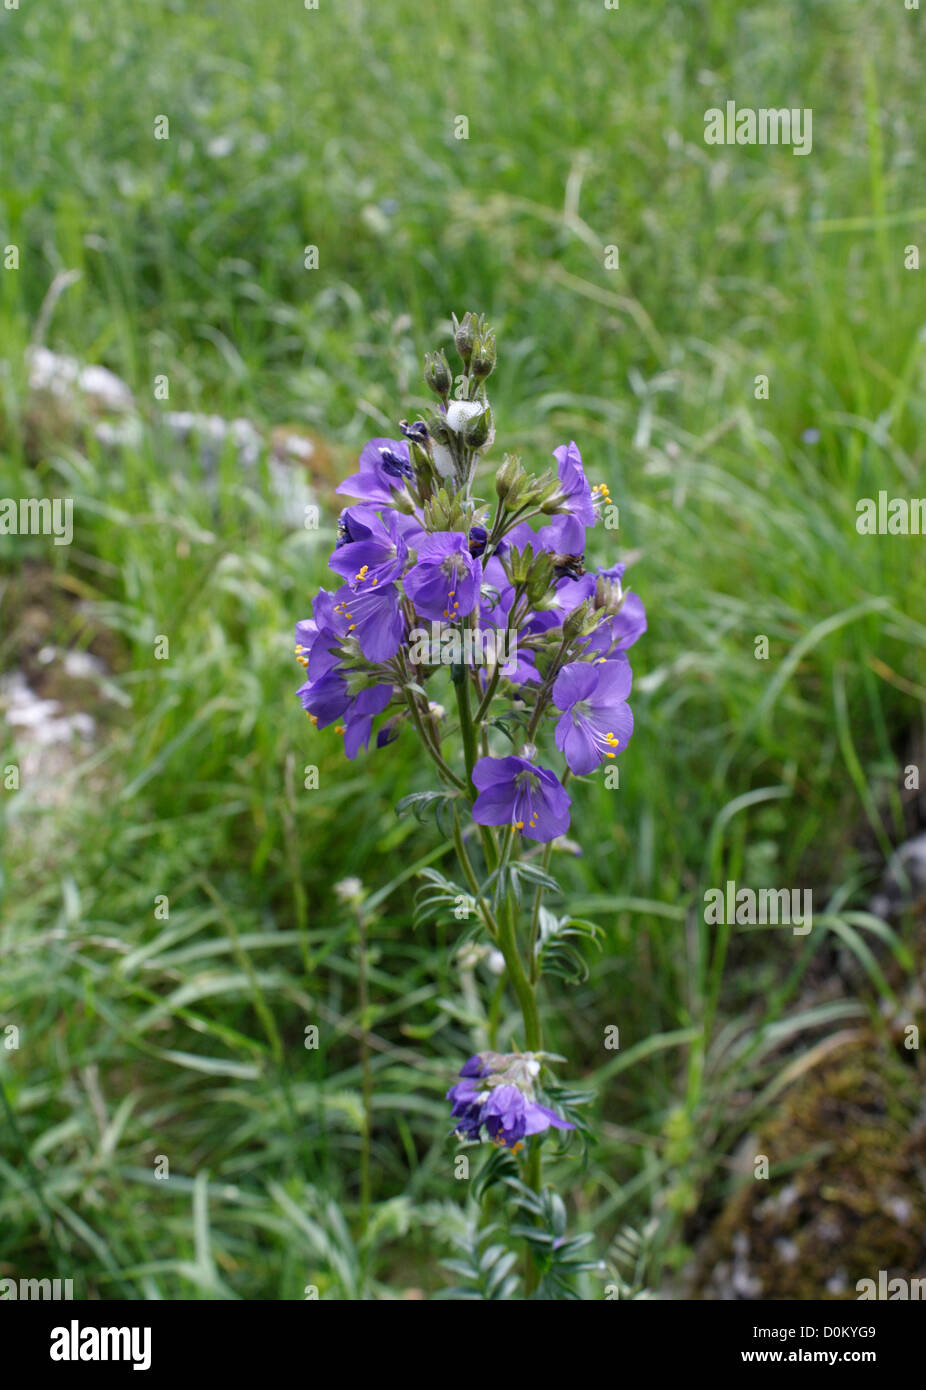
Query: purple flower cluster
x,y
496,1094
416,547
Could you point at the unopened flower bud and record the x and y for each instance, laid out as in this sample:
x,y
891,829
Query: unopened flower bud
x,y
573,625
609,597
482,363
403,501
437,374
439,429
464,336
477,431
553,501
508,476
540,579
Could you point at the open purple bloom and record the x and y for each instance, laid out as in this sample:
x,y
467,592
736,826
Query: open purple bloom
x,y
374,617
328,699
574,483
513,791
596,721
384,466
376,551
618,633
445,580
345,534
497,1091
306,633
510,1116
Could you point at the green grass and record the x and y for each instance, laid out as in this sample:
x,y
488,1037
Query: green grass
x,y
143,1037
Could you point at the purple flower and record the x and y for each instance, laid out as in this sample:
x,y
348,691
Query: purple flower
x,y
384,466
513,791
475,1066
375,552
328,699
509,1116
373,617
496,1091
478,535
596,721
466,1109
445,580
345,534
620,632
574,483
495,614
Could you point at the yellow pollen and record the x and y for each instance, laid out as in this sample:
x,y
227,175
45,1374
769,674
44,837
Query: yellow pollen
x,y
340,729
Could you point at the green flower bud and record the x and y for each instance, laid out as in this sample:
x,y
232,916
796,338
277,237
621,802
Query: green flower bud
x,y
575,623
609,597
476,432
518,563
482,363
438,429
464,336
552,500
540,579
508,476
437,374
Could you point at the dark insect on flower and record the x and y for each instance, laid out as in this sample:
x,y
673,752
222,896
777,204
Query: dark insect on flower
x,y
478,535
345,535
569,566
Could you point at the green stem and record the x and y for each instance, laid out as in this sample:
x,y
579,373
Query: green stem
x,y
520,982
527,998
467,728
430,746
366,1071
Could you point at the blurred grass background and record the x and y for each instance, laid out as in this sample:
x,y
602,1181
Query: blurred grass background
x,y
335,128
